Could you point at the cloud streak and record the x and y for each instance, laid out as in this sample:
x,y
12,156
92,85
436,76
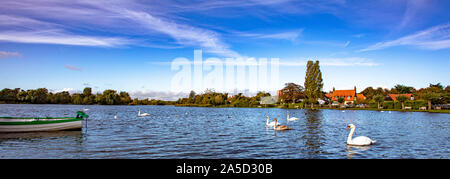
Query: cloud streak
x,y
73,68
434,38
123,18
62,38
288,35
337,62
4,54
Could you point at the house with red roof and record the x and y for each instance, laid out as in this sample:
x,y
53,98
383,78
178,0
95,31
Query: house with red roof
x,y
394,96
349,96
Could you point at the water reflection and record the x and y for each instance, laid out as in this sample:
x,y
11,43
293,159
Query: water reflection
x,y
312,135
356,150
41,135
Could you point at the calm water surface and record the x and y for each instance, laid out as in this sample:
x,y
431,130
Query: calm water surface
x,y
191,132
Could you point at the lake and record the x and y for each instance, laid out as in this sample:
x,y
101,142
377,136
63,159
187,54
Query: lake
x,y
239,133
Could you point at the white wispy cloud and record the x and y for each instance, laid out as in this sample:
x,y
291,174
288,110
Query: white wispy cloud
x,y
124,18
291,35
184,34
62,38
434,38
27,30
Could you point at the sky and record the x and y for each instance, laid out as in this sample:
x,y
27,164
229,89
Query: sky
x,y
132,45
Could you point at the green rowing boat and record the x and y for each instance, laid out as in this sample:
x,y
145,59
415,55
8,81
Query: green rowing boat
x,y
39,124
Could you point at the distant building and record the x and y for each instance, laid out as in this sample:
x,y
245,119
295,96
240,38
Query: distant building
x,y
349,96
394,96
268,100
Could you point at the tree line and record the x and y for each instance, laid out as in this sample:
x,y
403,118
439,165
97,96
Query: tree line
x,y
43,96
212,98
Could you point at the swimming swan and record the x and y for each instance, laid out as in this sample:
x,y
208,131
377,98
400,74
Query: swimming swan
x,y
292,118
360,140
143,114
280,127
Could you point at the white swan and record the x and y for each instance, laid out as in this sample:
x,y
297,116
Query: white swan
x,y
278,127
143,114
271,124
292,118
360,140
115,117
85,109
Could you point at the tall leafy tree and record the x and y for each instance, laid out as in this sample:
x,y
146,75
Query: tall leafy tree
x,y
124,98
313,82
431,97
292,92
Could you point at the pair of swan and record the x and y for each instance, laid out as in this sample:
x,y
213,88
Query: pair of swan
x,y
360,140
271,124
143,114
276,126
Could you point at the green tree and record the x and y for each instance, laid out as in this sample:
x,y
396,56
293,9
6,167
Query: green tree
x,y
22,96
341,100
431,97
124,98
291,93
402,89
63,98
218,100
77,98
446,94
369,92
100,99
110,97
438,85
261,94
9,95
313,82
87,91
379,98
192,96
402,99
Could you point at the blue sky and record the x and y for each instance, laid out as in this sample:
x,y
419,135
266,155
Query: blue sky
x,y
129,45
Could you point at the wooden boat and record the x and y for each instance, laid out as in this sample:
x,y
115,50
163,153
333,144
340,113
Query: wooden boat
x,y
38,124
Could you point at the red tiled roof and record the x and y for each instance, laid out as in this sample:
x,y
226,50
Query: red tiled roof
x,y
360,96
394,96
343,93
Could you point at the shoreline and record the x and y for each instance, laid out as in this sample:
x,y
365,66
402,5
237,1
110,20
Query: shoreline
x,y
443,111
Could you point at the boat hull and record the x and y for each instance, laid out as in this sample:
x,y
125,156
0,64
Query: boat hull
x,y
41,127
